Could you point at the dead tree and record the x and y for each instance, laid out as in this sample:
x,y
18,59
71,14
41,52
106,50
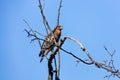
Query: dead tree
x,y
106,65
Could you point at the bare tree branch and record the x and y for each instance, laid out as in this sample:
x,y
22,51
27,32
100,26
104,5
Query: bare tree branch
x,y
89,63
34,37
32,33
45,22
82,47
58,64
58,17
56,71
50,70
106,67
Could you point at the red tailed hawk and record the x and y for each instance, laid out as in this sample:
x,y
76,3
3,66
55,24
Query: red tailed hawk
x,y
49,42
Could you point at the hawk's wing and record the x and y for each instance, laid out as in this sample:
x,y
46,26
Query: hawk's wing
x,y
47,46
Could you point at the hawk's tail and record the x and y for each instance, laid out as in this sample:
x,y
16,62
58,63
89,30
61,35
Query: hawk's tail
x,y
41,55
41,59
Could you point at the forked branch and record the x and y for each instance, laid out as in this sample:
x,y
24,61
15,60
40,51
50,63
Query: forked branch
x,y
110,68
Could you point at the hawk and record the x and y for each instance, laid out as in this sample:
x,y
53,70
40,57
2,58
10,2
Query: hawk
x,y
49,42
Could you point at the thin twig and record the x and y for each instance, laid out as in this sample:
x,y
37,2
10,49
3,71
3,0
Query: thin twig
x,y
58,17
35,37
27,24
33,31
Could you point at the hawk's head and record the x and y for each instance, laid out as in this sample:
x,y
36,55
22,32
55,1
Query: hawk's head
x,y
58,27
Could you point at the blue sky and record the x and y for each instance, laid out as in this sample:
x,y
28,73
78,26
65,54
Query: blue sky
x,y
93,22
